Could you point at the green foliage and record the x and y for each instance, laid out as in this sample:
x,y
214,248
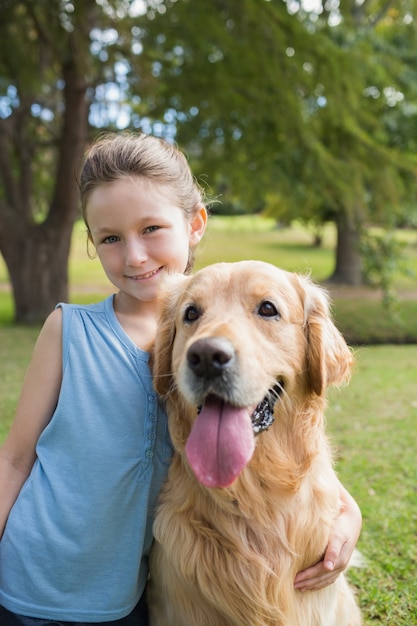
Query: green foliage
x,y
313,108
306,113
315,121
32,96
364,318
384,259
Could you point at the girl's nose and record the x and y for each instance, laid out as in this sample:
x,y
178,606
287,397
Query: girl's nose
x,y
135,253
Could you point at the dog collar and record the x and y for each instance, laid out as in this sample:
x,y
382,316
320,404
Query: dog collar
x,y
263,415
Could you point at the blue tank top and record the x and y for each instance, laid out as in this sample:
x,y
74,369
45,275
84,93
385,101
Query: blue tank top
x,y
76,543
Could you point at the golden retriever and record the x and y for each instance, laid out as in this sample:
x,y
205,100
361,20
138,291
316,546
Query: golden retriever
x,y
243,356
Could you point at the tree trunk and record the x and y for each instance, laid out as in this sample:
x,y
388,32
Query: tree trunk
x,y
36,254
40,156
37,260
348,269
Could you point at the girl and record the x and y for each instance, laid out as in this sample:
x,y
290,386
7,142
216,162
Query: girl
x,y
88,450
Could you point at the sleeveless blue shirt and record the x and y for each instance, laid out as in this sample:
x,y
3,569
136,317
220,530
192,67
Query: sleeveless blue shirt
x,y
76,542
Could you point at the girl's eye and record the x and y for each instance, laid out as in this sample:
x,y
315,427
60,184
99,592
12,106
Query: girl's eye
x,y
111,239
151,229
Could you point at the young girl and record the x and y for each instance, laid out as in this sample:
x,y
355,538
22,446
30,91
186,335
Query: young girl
x,y
88,450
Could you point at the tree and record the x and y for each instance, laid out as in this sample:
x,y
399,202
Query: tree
x,y
373,174
37,212
55,58
295,114
314,110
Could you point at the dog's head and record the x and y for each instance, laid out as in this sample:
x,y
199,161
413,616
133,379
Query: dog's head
x,y
231,339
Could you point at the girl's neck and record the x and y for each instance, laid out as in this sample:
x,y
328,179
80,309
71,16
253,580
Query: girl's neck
x,y
137,318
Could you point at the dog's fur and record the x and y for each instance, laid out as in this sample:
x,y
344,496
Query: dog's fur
x,y
228,556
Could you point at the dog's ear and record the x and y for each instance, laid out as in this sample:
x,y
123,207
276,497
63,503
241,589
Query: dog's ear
x,y
329,359
160,361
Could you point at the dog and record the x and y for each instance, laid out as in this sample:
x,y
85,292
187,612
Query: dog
x,y
243,356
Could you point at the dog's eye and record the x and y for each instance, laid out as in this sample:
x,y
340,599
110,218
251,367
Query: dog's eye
x,y
267,309
191,314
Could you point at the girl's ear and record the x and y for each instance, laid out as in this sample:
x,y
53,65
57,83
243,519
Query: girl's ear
x,y
198,226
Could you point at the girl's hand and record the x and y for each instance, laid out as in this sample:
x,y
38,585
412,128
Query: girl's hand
x,y
342,542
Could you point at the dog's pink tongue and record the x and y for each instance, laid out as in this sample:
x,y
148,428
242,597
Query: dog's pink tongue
x,y
220,444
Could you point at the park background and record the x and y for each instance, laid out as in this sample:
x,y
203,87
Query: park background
x,y
299,119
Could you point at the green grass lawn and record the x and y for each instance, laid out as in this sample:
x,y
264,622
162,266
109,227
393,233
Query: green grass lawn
x,y
359,312
373,427
372,422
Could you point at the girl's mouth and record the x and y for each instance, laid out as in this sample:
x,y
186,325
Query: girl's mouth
x,y
145,276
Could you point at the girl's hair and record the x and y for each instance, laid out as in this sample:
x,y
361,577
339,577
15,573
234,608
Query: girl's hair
x,y
117,155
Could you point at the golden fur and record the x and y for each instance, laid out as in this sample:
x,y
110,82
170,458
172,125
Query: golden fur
x,y
229,556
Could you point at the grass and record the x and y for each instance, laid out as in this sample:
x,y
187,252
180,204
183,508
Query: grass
x,y
252,237
359,312
363,319
372,422
16,345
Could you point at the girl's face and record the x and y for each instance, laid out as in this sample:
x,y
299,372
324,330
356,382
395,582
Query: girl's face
x,y
140,233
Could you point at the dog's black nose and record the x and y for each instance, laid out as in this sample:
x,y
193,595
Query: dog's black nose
x,y
209,357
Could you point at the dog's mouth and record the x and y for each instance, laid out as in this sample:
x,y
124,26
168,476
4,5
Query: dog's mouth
x,y
263,415
221,442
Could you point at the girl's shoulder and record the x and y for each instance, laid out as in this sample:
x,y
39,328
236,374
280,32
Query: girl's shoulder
x,y
91,321
97,313
80,320
96,307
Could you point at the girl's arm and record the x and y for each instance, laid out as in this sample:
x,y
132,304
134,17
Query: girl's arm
x,y
342,542
36,405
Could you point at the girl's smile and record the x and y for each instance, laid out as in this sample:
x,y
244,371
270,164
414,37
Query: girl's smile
x,y
145,276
